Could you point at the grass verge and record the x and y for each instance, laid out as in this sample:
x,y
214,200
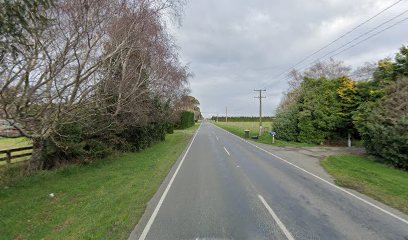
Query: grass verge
x,y
377,180
238,130
102,200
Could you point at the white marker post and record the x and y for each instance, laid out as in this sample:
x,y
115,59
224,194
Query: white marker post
x,y
273,136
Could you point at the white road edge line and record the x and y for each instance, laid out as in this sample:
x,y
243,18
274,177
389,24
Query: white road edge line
x,y
156,210
227,151
277,220
331,184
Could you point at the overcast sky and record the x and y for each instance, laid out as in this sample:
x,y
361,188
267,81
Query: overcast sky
x,y
236,46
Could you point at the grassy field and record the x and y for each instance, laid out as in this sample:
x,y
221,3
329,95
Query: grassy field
x,y
102,200
253,127
238,128
374,179
9,143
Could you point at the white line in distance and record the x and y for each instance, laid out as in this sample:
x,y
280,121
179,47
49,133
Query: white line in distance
x,y
227,151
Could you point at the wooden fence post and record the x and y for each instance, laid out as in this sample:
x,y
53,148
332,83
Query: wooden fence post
x,y
8,154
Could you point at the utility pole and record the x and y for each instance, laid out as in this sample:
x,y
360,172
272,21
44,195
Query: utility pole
x,y
226,114
217,117
260,108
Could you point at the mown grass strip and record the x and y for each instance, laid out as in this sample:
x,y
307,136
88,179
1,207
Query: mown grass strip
x,y
238,130
377,180
102,200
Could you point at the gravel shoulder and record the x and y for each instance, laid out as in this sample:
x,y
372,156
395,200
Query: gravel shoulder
x,y
309,158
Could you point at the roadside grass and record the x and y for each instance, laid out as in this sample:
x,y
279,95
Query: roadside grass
x,y
102,200
379,181
238,128
9,143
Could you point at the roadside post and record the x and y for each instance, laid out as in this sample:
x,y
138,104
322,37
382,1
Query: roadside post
x,y
273,134
246,133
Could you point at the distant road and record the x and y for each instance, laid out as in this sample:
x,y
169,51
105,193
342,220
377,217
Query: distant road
x,y
226,188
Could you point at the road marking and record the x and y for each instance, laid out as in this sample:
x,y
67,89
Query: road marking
x,y
156,210
277,220
216,138
237,165
325,181
227,151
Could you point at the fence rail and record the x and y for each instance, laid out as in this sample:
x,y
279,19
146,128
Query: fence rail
x,y
9,156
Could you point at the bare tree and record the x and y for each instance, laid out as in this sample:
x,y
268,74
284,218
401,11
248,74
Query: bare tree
x,y
98,58
365,72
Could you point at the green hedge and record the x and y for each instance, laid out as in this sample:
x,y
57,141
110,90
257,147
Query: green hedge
x,y
186,120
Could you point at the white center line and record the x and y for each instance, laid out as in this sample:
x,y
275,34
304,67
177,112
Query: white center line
x,y
227,151
156,210
277,220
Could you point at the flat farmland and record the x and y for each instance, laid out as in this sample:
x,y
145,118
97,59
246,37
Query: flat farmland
x,y
10,143
253,127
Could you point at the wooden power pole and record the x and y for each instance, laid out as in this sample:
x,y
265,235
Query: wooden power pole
x,y
260,108
226,114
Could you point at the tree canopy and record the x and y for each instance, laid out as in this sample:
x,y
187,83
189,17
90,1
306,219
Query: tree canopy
x,y
328,107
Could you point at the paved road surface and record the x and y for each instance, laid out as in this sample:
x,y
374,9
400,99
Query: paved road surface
x,y
226,188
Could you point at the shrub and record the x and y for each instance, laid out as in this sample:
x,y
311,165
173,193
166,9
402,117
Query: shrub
x,y
385,130
285,125
169,128
186,120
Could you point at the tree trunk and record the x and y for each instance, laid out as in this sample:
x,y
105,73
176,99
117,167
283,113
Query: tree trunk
x,y
39,155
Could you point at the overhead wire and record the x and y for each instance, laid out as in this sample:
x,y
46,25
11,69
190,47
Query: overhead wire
x,y
340,37
353,40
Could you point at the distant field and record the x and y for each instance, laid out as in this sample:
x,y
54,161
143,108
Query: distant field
x,y
238,128
9,143
253,127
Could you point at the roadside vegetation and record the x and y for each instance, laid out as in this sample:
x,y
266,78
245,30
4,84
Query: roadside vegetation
x,y
324,105
97,89
83,79
102,200
377,180
238,128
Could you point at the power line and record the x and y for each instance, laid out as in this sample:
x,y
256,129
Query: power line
x,y
366,33
359,42
337,39
371,36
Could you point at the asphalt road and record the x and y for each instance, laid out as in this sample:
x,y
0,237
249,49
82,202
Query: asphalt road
x,y
227,188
